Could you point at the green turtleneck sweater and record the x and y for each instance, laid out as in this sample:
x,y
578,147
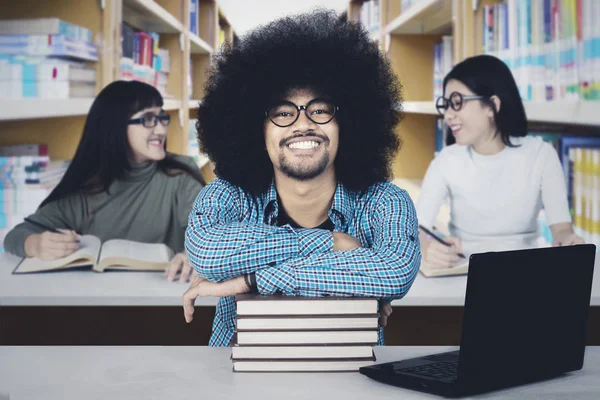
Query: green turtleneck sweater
x,y
146,206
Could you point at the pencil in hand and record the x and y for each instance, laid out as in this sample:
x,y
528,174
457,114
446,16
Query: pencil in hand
x,y
438,239
47,228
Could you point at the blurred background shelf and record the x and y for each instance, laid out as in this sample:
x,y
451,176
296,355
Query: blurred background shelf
x,y
23,109
149,16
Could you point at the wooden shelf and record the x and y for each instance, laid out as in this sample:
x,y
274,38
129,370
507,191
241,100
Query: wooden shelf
x,y
171,104
423,17
16,109
199,46
150,17
419,107
375,35
559,112
564,112
193,104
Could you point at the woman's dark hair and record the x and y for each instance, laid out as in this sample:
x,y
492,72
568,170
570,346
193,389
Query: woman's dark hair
x,y
103,154
488,76
319,51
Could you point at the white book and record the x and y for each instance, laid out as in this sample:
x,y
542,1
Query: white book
x,y
300,366
307,337
299,352
306,323
251,304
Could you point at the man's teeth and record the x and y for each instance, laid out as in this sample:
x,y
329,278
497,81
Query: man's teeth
x,y
309,144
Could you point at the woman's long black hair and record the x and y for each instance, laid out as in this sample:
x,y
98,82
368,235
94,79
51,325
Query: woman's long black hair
x,y
103,154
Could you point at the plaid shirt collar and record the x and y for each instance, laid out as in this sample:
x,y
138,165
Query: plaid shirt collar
x,y
340,213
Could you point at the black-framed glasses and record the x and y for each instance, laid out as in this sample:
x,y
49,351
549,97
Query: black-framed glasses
x,y
455,101
286,113
150,120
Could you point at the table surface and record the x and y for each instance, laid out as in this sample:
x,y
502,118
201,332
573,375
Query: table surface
x,y
58,372
115,288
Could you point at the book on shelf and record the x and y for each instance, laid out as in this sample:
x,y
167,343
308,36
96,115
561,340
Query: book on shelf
x,y
44,26
301,366
48,45
251,304
194,13
322,352
114,254
550,46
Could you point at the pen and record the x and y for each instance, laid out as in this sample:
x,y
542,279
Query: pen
x,y
44,226
437,238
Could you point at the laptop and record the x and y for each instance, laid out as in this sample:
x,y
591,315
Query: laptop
x,y
525,320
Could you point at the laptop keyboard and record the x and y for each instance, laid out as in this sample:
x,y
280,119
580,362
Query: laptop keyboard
x,y
439,370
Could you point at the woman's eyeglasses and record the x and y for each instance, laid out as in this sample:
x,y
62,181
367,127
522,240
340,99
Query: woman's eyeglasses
x,y
150,120
286,113
455,101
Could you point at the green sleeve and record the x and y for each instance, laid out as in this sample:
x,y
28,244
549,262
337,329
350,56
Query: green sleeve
x,y
186,197
67,213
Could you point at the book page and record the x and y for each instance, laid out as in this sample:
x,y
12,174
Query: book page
x,y
459,269
122,252
87,254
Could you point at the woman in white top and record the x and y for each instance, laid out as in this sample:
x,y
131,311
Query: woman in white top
x,y
496,179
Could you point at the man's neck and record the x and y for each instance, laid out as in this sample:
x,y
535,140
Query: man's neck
x,y
306,202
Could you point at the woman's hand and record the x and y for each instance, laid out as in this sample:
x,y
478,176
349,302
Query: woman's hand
x,y
180,264
564,235
50,246
438,256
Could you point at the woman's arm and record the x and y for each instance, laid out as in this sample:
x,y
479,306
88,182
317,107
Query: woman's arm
x,y
433,193
67,214
554,198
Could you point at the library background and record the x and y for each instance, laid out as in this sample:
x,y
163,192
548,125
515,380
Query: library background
x,y
56,55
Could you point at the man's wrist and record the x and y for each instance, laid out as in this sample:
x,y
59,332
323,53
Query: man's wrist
x,y
250,280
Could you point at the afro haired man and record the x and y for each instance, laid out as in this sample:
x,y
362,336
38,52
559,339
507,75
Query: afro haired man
x,y
298,118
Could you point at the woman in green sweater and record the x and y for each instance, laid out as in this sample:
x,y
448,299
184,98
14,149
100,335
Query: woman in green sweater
x,y
121,184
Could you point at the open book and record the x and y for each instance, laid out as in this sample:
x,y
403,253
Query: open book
x,y
458,269
117,254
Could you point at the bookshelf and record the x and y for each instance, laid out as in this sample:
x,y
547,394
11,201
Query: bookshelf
x,y
59,123
409,36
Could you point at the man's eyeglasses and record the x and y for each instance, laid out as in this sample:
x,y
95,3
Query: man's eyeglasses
x,y
150,120
286,113
455,101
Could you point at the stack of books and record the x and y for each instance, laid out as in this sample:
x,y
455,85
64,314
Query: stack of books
x,y
46,58
27,177
142,59
292,334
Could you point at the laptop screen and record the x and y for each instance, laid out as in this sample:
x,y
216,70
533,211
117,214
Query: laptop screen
x,y
525,314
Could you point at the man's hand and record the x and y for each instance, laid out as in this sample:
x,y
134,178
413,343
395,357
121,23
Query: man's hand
x,y
384,312
179,264
343,241
200,287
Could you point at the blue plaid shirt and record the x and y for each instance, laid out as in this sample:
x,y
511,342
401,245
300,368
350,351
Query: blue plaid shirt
x,y
231,233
